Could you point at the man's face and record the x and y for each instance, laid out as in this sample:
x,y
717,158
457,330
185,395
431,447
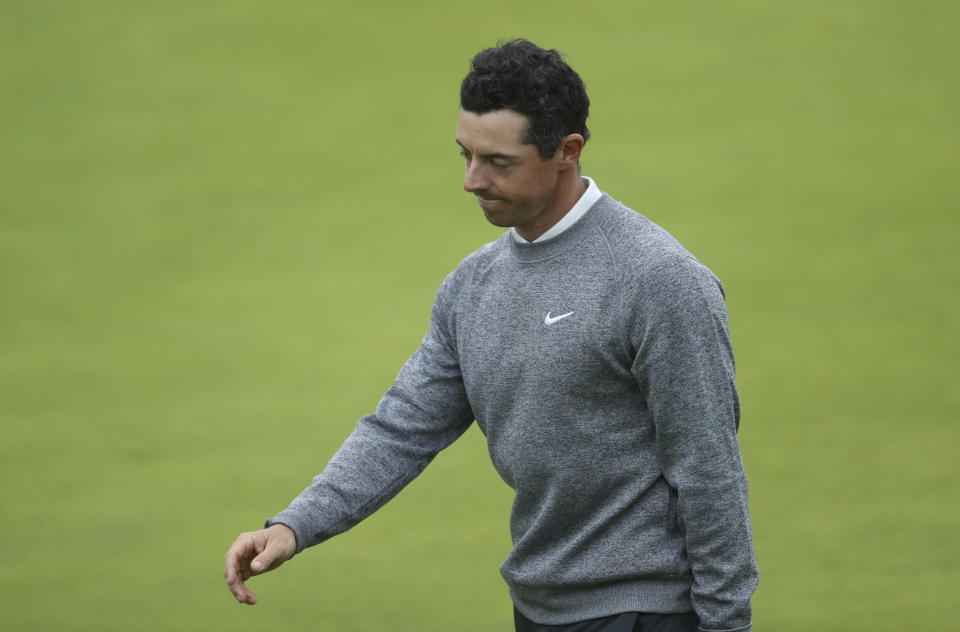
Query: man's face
x,y
514,185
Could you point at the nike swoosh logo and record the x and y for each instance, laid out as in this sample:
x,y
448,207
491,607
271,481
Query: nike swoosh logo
x,y
549,321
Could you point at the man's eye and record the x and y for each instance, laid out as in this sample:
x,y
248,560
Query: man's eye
x,y
464,155
500,165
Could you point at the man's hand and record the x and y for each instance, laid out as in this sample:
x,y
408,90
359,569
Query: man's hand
x,y
255,553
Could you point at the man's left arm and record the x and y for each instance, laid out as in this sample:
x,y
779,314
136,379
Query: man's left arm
x,y
685,363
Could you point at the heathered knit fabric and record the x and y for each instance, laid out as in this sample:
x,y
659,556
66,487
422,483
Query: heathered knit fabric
x,y
598,365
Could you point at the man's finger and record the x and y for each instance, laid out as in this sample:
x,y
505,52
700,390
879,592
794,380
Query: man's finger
x,y
261,563
241,592
235,569
230,566
235,577
265,561
234,554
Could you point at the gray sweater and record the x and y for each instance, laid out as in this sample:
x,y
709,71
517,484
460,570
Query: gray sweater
x,y
598,365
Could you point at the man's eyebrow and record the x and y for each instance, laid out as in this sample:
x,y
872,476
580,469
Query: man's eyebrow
x,y
491,156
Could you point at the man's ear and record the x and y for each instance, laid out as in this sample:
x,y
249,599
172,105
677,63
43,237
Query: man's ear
x,y
569,150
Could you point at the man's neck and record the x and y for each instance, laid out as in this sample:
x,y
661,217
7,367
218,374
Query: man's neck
x,y
569,190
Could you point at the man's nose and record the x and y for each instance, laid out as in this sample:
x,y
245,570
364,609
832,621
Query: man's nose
x,y
475,180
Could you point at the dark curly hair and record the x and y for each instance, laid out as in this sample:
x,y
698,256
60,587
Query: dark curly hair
x,y
519,75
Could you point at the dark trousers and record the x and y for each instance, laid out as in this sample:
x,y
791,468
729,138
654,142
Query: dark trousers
x,y
626,622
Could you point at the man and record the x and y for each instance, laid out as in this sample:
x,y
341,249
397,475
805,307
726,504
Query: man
x,y
593,351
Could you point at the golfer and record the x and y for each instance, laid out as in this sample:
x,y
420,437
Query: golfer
x,y
594,353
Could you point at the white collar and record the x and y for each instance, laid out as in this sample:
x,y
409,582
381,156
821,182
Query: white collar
x,y
588,199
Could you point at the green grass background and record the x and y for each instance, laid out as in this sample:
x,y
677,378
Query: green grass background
x,y
222,225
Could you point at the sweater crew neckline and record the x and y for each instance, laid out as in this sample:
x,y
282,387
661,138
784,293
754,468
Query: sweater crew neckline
x,y
532,252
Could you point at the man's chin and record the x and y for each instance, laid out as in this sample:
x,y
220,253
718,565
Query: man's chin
x,y
496,212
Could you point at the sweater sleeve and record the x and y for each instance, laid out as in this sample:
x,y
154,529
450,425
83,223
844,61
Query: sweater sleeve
x,y
684,363
424,411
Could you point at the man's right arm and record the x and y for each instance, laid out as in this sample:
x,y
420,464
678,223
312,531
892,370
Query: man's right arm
x,y
424,411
